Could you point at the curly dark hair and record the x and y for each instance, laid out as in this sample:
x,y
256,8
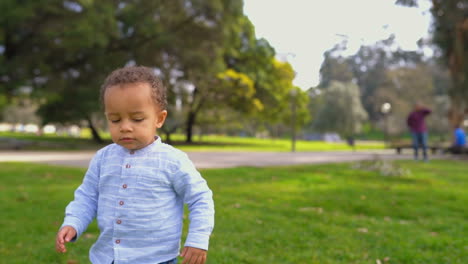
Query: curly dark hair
x,y
137,74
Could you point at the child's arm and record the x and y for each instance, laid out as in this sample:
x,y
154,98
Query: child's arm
x,y
195,192
82,210
65,235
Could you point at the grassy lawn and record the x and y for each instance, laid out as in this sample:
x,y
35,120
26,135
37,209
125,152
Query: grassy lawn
x,y
302,214
48,142
206,143
224,143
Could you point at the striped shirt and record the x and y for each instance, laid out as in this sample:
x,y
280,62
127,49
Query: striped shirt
x,y
138,199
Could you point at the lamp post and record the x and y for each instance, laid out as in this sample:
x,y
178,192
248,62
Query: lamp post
x,y
293,94
385,110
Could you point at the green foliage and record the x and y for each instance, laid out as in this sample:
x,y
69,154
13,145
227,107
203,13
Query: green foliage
x,y
450,35
341,110
370,65
272,79
388,75
64,49
402,88
327,214
368,68
239,91
334,68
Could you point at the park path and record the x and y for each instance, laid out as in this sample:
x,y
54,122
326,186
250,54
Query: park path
x,y
213,159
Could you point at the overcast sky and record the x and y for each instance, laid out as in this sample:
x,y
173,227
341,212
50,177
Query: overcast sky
x,y
302,30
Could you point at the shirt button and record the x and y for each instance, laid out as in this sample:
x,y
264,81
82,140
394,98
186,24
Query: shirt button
x,y
124,186
128,166
119,222
121,202
117,241
132,152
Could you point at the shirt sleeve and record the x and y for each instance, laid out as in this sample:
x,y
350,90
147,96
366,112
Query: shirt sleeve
x,y
195,192
409,120
426,111
82,210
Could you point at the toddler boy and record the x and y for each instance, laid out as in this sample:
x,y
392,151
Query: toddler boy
x,y
137,187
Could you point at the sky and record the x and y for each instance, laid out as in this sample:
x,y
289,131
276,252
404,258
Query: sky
x,y
302,30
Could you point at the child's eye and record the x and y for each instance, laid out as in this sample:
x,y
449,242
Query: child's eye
x,y
115,121
138,119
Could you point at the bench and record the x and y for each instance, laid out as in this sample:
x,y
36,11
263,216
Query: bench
x,y
457,150
13,143
433,147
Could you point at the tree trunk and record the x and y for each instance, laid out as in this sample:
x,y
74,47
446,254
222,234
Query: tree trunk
x,y
195,107
458,71
168,137
94,131
189,129
456,116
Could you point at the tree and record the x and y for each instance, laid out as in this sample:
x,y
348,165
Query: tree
x,y
62,50
370,64
341,110
205,51
367,67
272,79
335,67
65,49
450,35
402,88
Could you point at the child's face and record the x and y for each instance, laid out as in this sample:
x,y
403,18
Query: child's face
x,y
132,115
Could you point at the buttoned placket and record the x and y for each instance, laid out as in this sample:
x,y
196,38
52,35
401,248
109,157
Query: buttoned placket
x,y
121,202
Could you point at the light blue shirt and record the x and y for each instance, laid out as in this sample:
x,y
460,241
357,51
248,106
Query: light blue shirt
x,y
138,199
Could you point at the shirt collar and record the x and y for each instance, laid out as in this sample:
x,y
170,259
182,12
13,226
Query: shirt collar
x,y
157,141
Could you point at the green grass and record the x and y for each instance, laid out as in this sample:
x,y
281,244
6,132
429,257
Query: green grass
x,y
206,143
30,141
225,143
302,214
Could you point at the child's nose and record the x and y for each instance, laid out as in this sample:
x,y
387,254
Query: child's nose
x,y
125,126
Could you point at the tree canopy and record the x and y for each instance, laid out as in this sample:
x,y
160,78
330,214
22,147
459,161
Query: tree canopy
x,y
206,53
341,110
450,36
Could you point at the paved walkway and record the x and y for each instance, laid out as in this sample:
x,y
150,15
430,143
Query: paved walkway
x,y
213,159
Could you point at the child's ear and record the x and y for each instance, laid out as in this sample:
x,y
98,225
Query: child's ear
x,y
161,117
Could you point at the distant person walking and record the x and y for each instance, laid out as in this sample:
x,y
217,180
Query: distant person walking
x,y
417,126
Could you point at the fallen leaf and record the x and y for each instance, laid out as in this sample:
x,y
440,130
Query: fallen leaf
x,y
363,230
87,235
318,210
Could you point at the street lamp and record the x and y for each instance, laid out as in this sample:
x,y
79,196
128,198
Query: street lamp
x,y
385,110
293,93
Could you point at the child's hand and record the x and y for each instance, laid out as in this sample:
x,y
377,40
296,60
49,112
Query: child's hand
x,y
64,235
193,255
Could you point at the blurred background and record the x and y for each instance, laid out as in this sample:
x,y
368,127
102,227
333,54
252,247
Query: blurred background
x,y
250,69
249,75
